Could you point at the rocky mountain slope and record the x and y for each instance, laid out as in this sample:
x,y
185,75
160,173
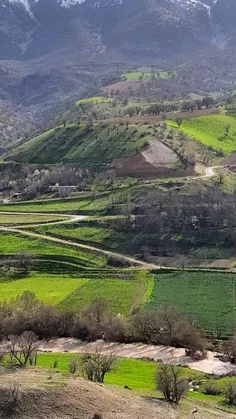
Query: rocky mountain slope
x,y
30,28
53,51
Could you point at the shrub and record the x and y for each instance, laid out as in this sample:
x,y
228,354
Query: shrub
x,y
211,389
73,365
230,393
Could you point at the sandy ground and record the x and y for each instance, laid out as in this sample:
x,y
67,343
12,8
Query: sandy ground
x,y
211,364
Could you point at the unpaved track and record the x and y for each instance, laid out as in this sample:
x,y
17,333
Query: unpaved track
x,y
68,218
128,259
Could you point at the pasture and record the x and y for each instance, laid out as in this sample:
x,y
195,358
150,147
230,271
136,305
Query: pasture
x,y
49,289
94,100
205,297
122,295
210,131
24,219
135,75
137,374
122,291
11,244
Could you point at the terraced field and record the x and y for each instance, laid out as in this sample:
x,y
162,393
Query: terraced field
x,y
92,147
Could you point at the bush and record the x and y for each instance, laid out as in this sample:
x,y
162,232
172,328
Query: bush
x,y
230,393
73,365
211,389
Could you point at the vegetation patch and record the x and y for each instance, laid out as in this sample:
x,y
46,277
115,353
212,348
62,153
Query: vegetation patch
x,y
90,146
13,243
49,289
121,295
216,131
8,219
207,298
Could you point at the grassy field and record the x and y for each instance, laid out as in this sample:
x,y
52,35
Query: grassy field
x,y
94,100
9,219
207,298
135,75
91,147
210,130
49,289
15,243
123,291
137,374
93,204
121,295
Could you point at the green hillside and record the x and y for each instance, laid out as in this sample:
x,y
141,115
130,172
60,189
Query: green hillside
x,y
90,146
210,131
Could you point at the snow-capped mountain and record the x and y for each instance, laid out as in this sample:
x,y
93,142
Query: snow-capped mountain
x,y
55,48
30,28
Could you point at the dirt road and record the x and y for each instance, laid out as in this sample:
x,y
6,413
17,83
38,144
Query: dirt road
x,y
130,260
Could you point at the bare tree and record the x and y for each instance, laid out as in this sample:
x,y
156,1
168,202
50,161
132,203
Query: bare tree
x,y
171,383
23,347
96,310
96,366
24,261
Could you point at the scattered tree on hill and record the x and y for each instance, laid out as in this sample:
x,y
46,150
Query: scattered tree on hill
x,y
227,130
179,121
198,104
171,383
207,101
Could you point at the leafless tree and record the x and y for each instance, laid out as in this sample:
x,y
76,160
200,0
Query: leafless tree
x,y
96,366
171,383
22,347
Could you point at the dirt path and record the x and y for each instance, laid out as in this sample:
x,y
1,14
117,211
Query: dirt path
x,y
128,259
167,354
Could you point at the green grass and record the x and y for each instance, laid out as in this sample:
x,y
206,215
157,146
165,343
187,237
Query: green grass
x,y
8,219
49,289
210,130
135,75
93,100
15,243
201,296
79,232
137,374
91,147
92,204
122,295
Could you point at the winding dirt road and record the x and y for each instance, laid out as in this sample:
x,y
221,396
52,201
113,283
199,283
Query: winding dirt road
x,y
130,260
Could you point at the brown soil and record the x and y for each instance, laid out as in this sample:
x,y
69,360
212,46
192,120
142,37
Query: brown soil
x,y
80,399
148,165
152,119
230,161
124,86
